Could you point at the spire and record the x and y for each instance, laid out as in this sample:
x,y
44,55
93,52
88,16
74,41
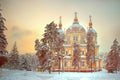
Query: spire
x,y
90,22
60,23
75,14
75,19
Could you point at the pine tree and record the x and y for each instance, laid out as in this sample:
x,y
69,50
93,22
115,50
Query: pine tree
x,y
119,58
112,57
42,50
51,42
3,41
51,37
14,57
76,56
90,50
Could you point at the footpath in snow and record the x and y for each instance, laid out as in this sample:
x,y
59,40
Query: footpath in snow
x,y
30,75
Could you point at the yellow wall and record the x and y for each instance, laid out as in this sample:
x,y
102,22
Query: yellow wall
x,y
69,49
71,35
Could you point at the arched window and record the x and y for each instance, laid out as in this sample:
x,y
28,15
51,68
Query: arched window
x,y
68,40
65,63
82,63
75,38
82,52
66,52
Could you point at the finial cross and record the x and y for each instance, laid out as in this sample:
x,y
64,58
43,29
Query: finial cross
x,y
90,17
76,14
60,19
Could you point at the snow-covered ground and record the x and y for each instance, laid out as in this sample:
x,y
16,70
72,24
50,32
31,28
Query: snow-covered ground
x,y
29,75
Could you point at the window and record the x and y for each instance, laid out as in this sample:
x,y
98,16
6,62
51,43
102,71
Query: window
x,y
66,52
65,63
82,52
82,63
75,38
82,40
68,38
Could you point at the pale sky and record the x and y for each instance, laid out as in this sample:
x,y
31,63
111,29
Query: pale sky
x,y
26,19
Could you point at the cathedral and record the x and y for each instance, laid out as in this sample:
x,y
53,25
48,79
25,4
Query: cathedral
x,y
76,33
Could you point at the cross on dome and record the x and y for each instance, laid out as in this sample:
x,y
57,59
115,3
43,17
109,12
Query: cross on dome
x,y
75,14
60,23
90,17
60,19
90,22
76,19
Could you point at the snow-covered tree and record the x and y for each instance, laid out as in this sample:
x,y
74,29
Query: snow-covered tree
x,y
13,59
3,41
33,61
42,50
119,58
112,57
51,42
51,37
103,56
23,63
29,62
119,50
90,49
76,56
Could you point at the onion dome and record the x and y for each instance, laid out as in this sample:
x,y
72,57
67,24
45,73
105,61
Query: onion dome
x,y
91,29
76,27
60,30
60,23
60,27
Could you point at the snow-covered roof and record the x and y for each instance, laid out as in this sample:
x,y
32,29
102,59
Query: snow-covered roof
x,y
91,30
76,25
67,56
67,45
60,31
83,45
83,56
